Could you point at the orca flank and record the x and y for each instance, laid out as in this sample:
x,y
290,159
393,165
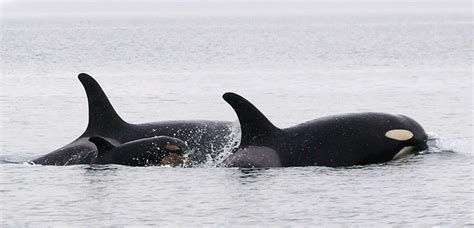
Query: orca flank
x,y
341,140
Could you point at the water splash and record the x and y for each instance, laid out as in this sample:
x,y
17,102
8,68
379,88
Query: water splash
x,y
438,144
219,154
233,141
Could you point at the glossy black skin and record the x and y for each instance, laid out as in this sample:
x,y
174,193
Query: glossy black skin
x,y
202,136
141,152
342,140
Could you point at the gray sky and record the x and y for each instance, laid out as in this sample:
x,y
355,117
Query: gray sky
x,y
26,8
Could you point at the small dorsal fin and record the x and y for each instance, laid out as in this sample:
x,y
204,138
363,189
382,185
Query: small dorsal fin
x,y
102,115
103,145
253,124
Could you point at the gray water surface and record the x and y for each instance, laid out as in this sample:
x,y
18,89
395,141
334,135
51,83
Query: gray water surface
x,y
294,65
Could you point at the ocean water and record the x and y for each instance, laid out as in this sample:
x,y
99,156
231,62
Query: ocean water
x,y
294,61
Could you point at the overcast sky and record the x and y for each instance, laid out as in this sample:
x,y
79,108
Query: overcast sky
x,y
21,8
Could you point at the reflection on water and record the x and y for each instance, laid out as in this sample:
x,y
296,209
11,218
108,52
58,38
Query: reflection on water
x,y
252,172
99,169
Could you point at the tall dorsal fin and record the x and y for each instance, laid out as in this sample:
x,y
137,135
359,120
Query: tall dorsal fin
x,y
103,145
102,115
253,124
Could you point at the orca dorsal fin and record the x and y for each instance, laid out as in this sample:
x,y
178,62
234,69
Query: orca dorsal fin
x,y
253,124
102,144
102,115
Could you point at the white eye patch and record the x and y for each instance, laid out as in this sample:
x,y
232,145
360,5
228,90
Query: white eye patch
x,y
399,134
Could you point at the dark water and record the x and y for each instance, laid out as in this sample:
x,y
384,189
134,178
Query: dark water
x,y
294,66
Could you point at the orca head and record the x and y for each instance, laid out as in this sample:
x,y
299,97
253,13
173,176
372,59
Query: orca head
x,y
409,134
172,150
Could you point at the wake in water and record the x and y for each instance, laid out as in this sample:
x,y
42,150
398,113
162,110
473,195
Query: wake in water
x,y
5,161
438,144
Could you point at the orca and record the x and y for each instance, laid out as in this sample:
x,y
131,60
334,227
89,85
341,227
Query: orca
x,y
204,137
160,150
334,141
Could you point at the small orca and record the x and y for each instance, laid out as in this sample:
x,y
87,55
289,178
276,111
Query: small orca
x,y
204,137
342,140
160,150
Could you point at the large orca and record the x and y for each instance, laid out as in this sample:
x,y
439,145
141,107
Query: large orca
x,y
204,137
342,140
160,150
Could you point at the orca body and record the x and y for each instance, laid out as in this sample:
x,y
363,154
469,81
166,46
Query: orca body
x,y
160,150
342,140
202,136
